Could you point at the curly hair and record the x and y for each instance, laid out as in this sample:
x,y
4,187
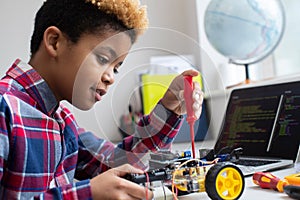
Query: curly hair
x,y
77,17
129,12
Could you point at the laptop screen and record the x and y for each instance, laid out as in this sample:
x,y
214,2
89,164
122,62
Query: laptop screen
x,y
264,121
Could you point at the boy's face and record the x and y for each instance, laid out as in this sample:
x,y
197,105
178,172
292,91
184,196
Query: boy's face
x,y
89,66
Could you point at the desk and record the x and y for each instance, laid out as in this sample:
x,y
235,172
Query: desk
x,y
251,190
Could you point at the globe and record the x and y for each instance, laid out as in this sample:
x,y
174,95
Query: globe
x,y
245,31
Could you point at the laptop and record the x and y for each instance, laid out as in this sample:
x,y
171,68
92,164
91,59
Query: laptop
x,y
265,122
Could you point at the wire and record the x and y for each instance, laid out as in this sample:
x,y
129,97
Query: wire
x,y
147,186
223,149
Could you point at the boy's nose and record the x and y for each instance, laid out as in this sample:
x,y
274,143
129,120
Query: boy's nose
x,y
108,77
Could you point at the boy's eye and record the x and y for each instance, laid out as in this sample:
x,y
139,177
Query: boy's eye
x,y
116,69
102,60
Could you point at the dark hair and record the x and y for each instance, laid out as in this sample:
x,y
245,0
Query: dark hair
x,y
74,18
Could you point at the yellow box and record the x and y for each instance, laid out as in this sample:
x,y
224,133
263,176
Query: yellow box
x,y
155,86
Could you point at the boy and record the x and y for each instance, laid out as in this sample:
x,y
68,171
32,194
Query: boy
x,y
76,48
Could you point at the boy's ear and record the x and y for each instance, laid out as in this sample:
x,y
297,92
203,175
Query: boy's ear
x,y
52,36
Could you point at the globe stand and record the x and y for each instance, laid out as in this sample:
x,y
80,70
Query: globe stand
x,y
246,81
247,73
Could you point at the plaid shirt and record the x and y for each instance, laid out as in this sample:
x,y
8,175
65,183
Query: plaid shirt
x,y
42,149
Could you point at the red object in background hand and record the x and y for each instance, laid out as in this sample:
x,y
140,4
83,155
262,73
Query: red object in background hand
x,y
269,181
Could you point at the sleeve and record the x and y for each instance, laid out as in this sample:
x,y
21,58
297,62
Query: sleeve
x,y
153,132
77,190
94,155
4,129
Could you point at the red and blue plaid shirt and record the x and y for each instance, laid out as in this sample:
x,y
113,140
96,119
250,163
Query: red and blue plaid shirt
x,y
42,149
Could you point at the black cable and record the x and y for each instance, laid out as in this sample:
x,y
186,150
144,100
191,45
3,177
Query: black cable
x,y
223,149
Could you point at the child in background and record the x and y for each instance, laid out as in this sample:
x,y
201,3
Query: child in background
x,y
77,47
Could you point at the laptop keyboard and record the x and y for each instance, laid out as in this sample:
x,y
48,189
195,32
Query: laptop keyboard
x,y
254,163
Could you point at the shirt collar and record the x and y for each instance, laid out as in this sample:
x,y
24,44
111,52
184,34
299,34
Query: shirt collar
x,y
34,85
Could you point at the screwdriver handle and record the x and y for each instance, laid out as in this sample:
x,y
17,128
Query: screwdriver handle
x,y
267,180
188,97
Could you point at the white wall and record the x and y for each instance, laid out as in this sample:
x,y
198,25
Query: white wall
x,y
16,21
287,53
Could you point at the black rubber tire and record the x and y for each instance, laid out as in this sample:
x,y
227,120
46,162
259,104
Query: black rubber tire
x,y
211,178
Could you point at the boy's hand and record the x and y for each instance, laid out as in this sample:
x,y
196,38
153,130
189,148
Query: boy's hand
x,y
111,185
173,99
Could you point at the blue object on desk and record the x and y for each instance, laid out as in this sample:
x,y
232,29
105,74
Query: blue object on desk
x,y
201,127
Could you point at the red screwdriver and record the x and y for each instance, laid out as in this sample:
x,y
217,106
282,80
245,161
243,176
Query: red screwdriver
x,y
191,118
267,180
